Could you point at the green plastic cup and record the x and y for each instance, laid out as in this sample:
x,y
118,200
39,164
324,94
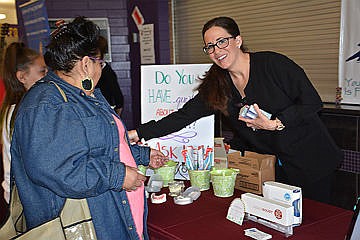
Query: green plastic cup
x,y
223,181
167,172
200,179
142,169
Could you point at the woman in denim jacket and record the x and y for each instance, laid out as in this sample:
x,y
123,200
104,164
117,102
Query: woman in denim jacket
x,y
75,146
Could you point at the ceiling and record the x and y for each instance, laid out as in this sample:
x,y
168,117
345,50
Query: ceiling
x,y
8,7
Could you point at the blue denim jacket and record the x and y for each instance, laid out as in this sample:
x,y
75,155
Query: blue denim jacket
x,y
70,150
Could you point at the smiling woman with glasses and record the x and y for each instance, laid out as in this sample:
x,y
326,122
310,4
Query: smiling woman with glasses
x,y
276,84
221,43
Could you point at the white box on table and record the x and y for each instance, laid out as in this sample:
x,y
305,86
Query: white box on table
x,y
287,194
271,210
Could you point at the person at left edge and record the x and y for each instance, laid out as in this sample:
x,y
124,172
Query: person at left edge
x,y
21,68
78,148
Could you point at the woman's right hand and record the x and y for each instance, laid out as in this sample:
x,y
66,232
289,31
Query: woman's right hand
x,y
133,179
133,136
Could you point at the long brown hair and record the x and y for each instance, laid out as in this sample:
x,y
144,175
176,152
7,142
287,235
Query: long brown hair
x,y
17,57
215,87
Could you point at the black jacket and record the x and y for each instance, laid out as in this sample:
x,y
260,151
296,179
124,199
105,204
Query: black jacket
x,y
109,87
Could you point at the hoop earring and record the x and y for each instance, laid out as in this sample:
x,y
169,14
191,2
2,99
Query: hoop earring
x,y
87,84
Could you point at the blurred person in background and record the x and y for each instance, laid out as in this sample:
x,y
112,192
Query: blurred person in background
x,y
108,82
21,68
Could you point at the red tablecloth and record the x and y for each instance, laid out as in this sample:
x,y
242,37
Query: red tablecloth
x,y
206,219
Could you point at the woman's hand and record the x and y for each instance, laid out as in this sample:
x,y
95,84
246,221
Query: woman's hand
x,y
157,158
260,122
133,179
133,136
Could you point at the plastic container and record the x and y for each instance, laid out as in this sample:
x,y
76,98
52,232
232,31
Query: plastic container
x,y
200,179
167,172
176,188
223,181
155,183
142,169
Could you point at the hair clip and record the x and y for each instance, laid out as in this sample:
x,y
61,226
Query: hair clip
x,y
62,28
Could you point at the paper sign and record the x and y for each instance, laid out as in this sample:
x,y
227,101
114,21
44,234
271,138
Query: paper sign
x,y
236,211
165,89
147,51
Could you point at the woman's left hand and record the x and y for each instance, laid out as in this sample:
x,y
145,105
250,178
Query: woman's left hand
x,y
260,122
157,158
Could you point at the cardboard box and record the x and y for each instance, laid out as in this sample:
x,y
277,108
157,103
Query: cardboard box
x,y
254,169
220,156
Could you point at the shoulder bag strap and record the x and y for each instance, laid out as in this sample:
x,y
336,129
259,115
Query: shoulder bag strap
x,y
60,90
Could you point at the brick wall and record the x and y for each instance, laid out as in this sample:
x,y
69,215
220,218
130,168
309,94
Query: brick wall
x,y
154,12
116,12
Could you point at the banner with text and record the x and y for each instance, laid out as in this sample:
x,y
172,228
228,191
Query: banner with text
x,y
349,52
165,89
36,24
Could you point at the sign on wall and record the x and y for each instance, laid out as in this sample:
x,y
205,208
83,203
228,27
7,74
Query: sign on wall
x,y
147,49
349,52
36,24
165,89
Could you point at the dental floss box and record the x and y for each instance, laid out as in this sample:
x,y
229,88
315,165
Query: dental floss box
x,y
287,194
268,209
249,112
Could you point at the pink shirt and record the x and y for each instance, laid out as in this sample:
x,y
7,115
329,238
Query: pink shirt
x,y
135,198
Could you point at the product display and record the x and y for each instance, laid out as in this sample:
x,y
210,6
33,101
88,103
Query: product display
x,y
167,172
188,196
176,188
223,181
200,178
287,194
158,198
155,183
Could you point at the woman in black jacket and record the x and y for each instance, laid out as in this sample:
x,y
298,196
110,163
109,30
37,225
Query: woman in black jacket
x,y
307,155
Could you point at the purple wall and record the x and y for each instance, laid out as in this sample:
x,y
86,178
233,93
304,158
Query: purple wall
x,y
125,53
156,12
116,12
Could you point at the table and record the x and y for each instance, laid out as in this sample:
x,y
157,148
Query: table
x,y
206,219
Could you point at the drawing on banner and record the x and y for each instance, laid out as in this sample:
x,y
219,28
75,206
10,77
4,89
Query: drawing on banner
x,y
356,55
165,89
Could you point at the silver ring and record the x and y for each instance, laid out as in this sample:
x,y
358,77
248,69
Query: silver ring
x,y
133,188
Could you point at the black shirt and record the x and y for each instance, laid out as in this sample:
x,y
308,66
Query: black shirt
x,y
109,87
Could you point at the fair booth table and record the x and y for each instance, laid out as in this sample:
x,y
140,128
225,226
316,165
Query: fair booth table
x,y
205,219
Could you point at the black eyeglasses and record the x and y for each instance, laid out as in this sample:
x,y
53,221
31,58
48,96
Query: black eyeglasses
x,y
221,43
101,61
